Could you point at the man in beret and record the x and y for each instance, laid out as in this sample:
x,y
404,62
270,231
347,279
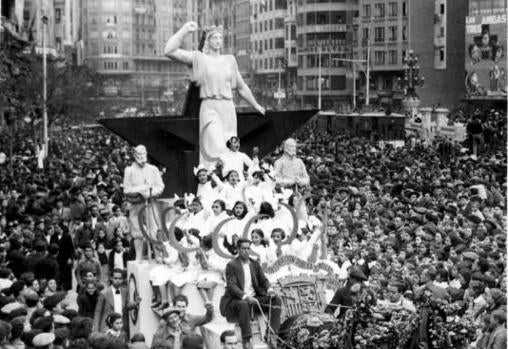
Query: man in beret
x,y
343,297
171,334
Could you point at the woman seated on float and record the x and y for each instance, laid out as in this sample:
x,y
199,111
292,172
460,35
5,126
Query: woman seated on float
x,y
219,214
232,190
233,229
196,218
212,269
208,189
263,252
257,192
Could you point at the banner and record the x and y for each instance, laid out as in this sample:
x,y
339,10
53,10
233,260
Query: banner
x,y
486,66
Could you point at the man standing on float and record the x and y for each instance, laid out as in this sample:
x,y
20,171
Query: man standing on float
x,y
216,75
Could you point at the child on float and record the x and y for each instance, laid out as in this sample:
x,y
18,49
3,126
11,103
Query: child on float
x,y
208,190
190,266
196,218
168,264
261,249
232,190
257,192
212,269
233,230
219,214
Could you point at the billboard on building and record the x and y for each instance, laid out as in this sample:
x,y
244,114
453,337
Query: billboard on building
x,y
486,67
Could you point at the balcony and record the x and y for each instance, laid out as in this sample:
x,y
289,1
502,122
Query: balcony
x,y
439,41
322,28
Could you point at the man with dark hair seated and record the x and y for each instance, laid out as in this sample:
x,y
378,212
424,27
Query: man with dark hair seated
x,y
247,289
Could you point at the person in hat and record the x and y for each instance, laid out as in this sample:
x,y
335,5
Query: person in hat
x,y
216,75
343,297
171,334
289,170
43,340
142,182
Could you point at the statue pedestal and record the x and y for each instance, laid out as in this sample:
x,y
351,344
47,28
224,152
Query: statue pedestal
x,y
138,280
147,322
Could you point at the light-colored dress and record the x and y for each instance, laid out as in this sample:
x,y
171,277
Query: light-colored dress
x,y
216,78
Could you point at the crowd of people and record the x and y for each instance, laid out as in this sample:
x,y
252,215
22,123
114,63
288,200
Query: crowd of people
x,y
402,222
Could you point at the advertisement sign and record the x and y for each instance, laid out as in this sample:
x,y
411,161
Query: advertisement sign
x,y
486,66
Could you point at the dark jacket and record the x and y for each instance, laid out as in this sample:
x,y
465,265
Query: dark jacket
x,y
235,281
87,304
341,297
48,269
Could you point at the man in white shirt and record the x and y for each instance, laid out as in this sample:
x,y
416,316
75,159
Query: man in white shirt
x,y
112,299
141,183
247,288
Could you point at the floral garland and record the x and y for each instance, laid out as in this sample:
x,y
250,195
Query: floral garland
x,y
365,326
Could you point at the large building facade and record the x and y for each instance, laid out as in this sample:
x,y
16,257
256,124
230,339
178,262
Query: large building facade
x,y
432,29
124,41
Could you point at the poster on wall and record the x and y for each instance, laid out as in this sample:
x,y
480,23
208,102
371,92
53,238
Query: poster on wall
x,y
486,66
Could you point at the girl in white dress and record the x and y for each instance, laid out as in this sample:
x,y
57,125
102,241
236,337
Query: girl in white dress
x,y
167,266
218,215
232,190
212,269
206,192
233,230
262,251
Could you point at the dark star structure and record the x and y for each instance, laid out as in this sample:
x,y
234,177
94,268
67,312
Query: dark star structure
x,y
173,141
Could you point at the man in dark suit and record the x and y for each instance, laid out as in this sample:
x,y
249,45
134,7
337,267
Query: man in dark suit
x,y
62,238
247,285
345,296
113,299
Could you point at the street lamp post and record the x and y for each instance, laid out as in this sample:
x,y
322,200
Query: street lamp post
x,y
44,20
354,73
412,77
319,79
411,80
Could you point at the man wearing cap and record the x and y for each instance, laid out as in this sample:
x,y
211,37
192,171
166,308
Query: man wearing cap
x,y
247,288
343,297
142,182
171,334
290,170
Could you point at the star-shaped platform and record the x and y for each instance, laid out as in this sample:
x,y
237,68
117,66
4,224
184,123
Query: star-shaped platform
x,y
173,141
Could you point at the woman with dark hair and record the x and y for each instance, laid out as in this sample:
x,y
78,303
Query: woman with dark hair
x,y
234,229
115,330
263,252
218,215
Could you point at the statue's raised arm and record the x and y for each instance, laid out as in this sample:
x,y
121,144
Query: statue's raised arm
x,y
216,75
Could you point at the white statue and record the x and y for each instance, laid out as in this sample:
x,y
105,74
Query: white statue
x,y
141,183
289,170
216,75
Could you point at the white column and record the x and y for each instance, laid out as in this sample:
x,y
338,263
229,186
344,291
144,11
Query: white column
x,y
67,26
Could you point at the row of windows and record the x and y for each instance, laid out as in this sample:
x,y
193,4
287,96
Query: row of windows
x,y
321,18
327,60
268,5
268,44
384,57
328,82
302,2
270,24
115,65
382,34
380,10
334,39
